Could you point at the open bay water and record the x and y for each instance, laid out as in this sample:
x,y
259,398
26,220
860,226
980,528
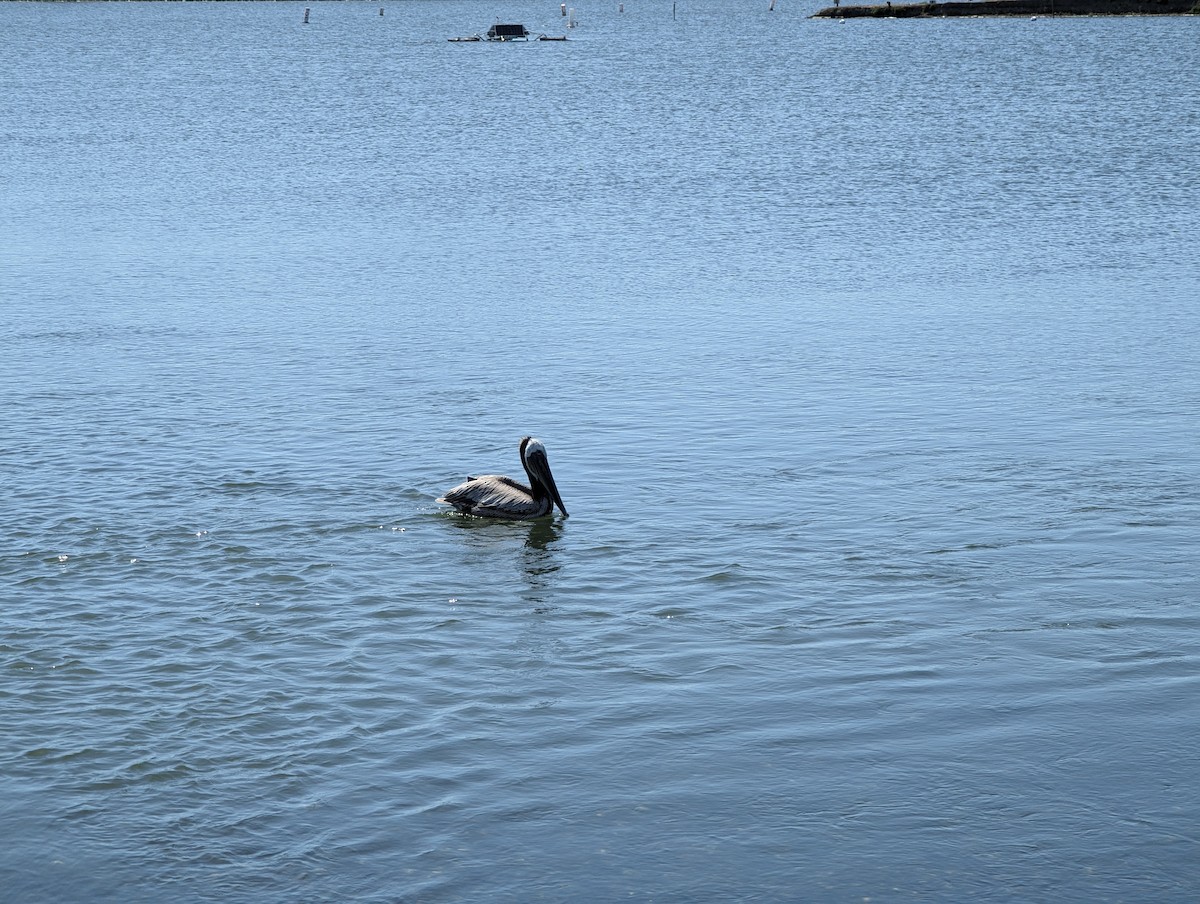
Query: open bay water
x,y
866,359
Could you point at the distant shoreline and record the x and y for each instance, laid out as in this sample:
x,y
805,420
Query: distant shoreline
x,y
959,8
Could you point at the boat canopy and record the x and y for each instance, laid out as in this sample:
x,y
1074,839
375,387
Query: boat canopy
x,y
501,31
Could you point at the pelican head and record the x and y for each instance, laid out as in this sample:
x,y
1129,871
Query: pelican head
x,y
537,466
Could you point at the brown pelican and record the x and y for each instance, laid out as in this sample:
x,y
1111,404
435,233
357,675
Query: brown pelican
x,y
493,496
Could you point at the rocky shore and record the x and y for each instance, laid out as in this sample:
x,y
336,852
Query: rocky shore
x,y
1014,8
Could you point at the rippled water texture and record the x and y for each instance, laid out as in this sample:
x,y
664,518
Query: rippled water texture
x,y
865,355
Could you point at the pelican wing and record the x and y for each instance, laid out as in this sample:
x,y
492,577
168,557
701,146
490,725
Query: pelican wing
x,y
494,496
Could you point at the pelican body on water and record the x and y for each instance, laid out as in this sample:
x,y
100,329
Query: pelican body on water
x,y
494,496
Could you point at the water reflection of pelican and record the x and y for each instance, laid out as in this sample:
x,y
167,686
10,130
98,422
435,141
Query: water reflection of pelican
x,y
496,496
536,536
542,534
538,556
539,563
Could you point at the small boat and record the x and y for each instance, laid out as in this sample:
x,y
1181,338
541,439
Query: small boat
x,y
552,37
469,38
511,31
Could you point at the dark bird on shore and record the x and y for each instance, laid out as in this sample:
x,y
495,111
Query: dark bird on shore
x,y
494,496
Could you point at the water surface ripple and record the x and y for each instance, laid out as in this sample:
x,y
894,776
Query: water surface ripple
x,y
865,356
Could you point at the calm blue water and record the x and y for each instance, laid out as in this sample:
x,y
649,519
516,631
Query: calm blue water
x,y
866,356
